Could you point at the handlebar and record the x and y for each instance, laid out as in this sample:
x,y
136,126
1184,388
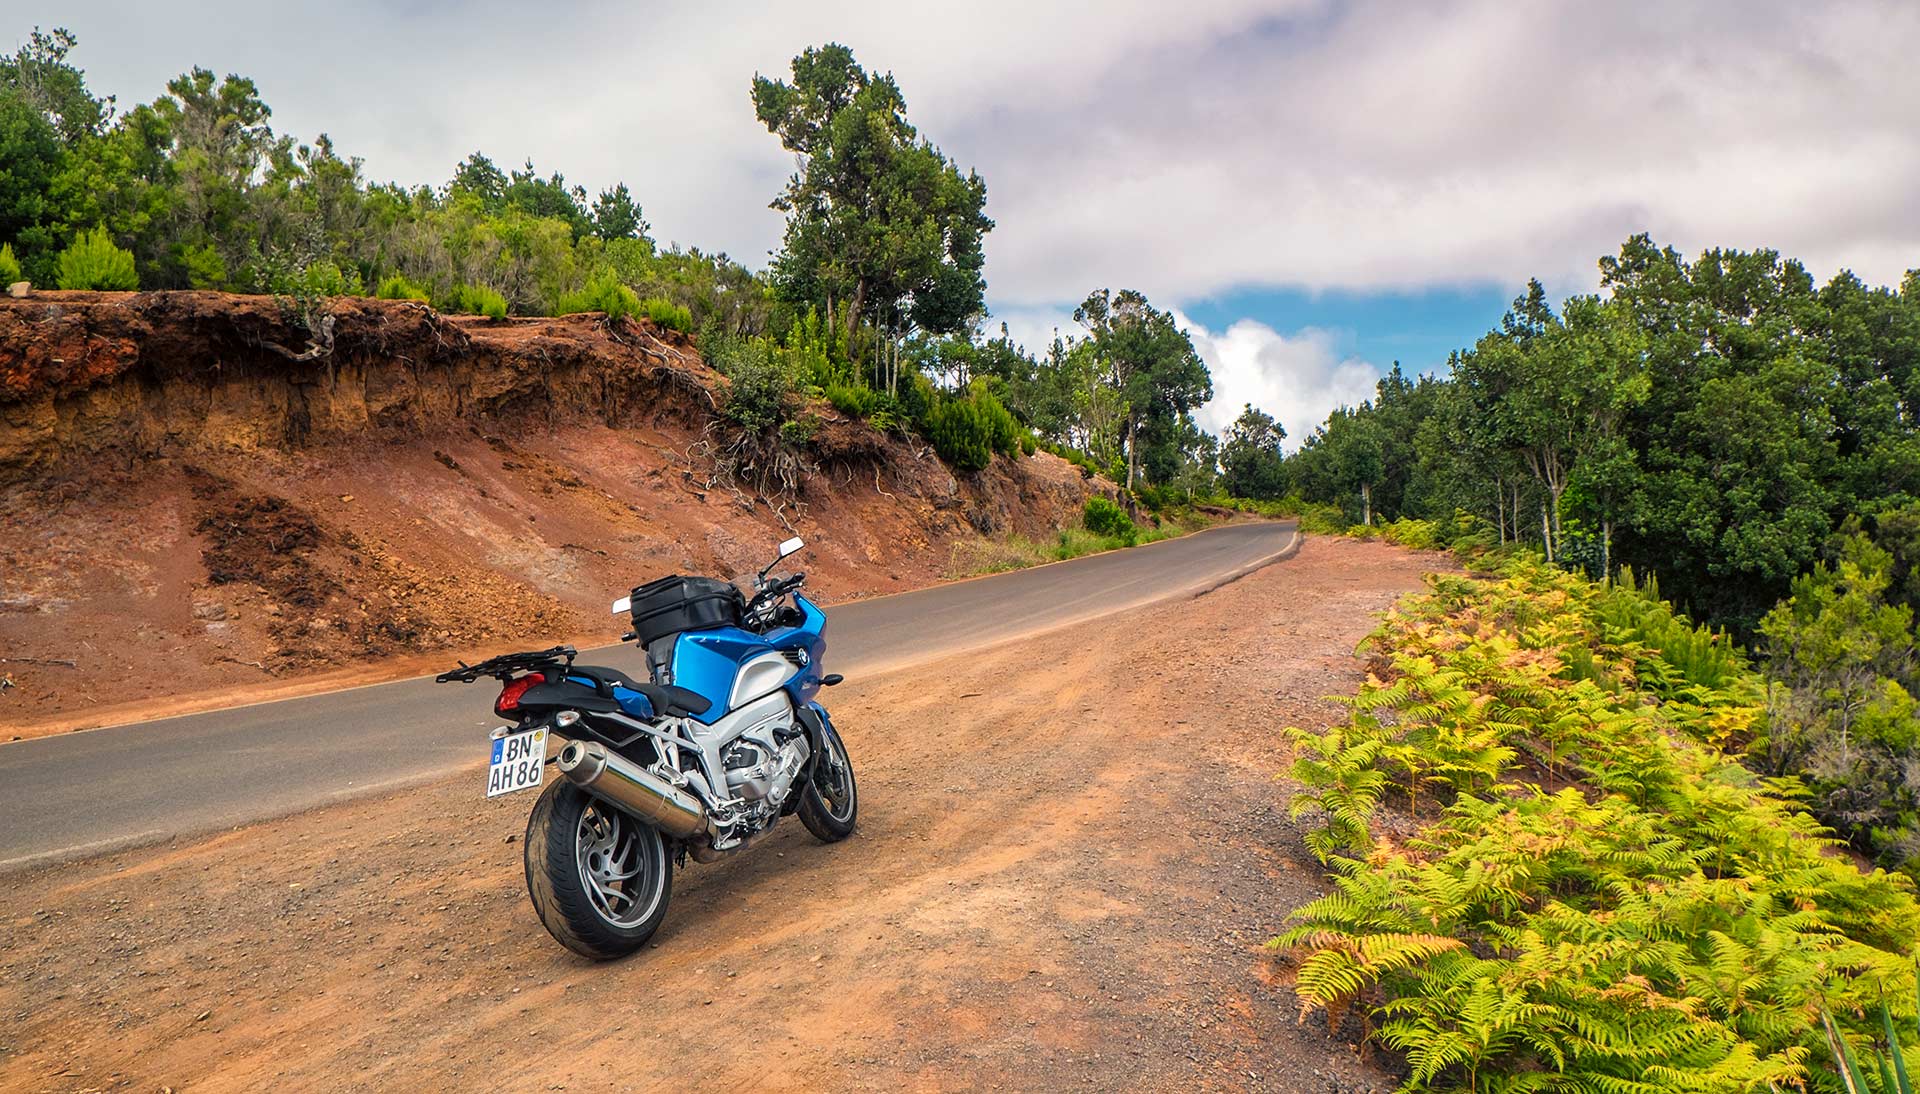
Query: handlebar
x,y
769,595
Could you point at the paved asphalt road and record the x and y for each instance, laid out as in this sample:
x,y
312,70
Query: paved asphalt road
x,y
93,791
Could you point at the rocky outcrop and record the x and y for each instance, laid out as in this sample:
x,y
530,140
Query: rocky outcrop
x,y
141,374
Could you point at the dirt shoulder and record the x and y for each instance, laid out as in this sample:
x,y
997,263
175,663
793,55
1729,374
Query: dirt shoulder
x,y
1071,849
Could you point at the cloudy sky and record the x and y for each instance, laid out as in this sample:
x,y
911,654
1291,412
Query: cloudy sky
x,y
1318,188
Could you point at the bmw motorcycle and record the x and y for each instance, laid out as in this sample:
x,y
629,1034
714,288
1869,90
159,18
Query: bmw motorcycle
x,y
698,762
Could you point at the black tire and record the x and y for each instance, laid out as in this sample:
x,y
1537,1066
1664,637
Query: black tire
x,y
830,815
575,909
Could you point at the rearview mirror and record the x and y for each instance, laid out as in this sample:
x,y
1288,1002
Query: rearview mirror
x,y
624,604
787,548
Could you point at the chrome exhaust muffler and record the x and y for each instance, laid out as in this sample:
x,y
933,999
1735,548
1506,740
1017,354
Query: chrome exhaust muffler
x,y
592,767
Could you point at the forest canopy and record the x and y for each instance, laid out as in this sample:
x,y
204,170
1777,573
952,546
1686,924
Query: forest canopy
x,y
1712,420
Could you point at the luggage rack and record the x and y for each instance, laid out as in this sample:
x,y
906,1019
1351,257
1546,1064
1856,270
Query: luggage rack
x,y
507,664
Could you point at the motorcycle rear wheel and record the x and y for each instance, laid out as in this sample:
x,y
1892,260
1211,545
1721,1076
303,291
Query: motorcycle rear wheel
x,y
599,879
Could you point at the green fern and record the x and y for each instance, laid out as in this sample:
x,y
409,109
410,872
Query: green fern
x,y
1657,920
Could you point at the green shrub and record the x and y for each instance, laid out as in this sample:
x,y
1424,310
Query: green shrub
x,y
204,267
966,432
1003,428
1671,655
323,278
761,384
853,401
1152,498
1324,519
960,433
914,400
668,314
800,431
1088,468
819,351
605,293
1104,518
478,300
1421,535
94,262
9,265
398,287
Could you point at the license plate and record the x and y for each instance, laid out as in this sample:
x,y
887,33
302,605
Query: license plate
x,y
518,762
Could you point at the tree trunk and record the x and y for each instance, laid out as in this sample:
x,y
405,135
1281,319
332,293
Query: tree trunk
x,y
853,310
1606,548
886,355
1366,504
1557,491
1500,508
1546,530
1133,434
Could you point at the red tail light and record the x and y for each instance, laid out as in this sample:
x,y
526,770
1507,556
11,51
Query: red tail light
x,y
509,700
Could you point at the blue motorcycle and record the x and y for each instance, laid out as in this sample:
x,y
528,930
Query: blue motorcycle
x,y
698,762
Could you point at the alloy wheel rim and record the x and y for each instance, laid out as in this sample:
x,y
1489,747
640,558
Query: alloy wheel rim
x,y
617,865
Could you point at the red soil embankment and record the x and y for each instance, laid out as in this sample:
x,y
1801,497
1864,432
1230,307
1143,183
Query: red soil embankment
x,y
191,515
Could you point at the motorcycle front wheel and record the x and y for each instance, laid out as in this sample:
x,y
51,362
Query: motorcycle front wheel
x,y
599,879
830,802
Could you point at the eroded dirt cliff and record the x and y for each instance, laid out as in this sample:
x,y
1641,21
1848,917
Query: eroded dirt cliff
x,y
192,506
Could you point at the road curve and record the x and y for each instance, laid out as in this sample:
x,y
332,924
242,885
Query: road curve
x,y
98,790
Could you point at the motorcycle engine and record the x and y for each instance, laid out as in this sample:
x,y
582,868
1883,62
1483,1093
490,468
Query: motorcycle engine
x,y
761,770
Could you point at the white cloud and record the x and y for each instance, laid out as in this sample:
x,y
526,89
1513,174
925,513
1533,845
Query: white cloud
x,y
1393,146
1297,378
1294,143
1035,328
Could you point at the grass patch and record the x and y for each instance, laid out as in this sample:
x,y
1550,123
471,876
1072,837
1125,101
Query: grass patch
x,y
1018,552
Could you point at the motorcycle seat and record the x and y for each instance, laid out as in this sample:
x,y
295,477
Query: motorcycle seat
x,y
666,698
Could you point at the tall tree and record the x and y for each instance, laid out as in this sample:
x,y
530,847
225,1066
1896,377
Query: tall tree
x,y
617,216
40,73
1351,441
220,140
881,227
1736,439
122,180
1252,464
549,198
30,156
1148,360
480,177
1607,381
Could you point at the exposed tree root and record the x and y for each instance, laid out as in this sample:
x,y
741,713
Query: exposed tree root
x,y
756,469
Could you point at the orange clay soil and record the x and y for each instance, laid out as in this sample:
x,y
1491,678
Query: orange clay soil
x,y
1071,851
192,520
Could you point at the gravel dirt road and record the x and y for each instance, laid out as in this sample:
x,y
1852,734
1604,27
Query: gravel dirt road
x,y
1071,849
